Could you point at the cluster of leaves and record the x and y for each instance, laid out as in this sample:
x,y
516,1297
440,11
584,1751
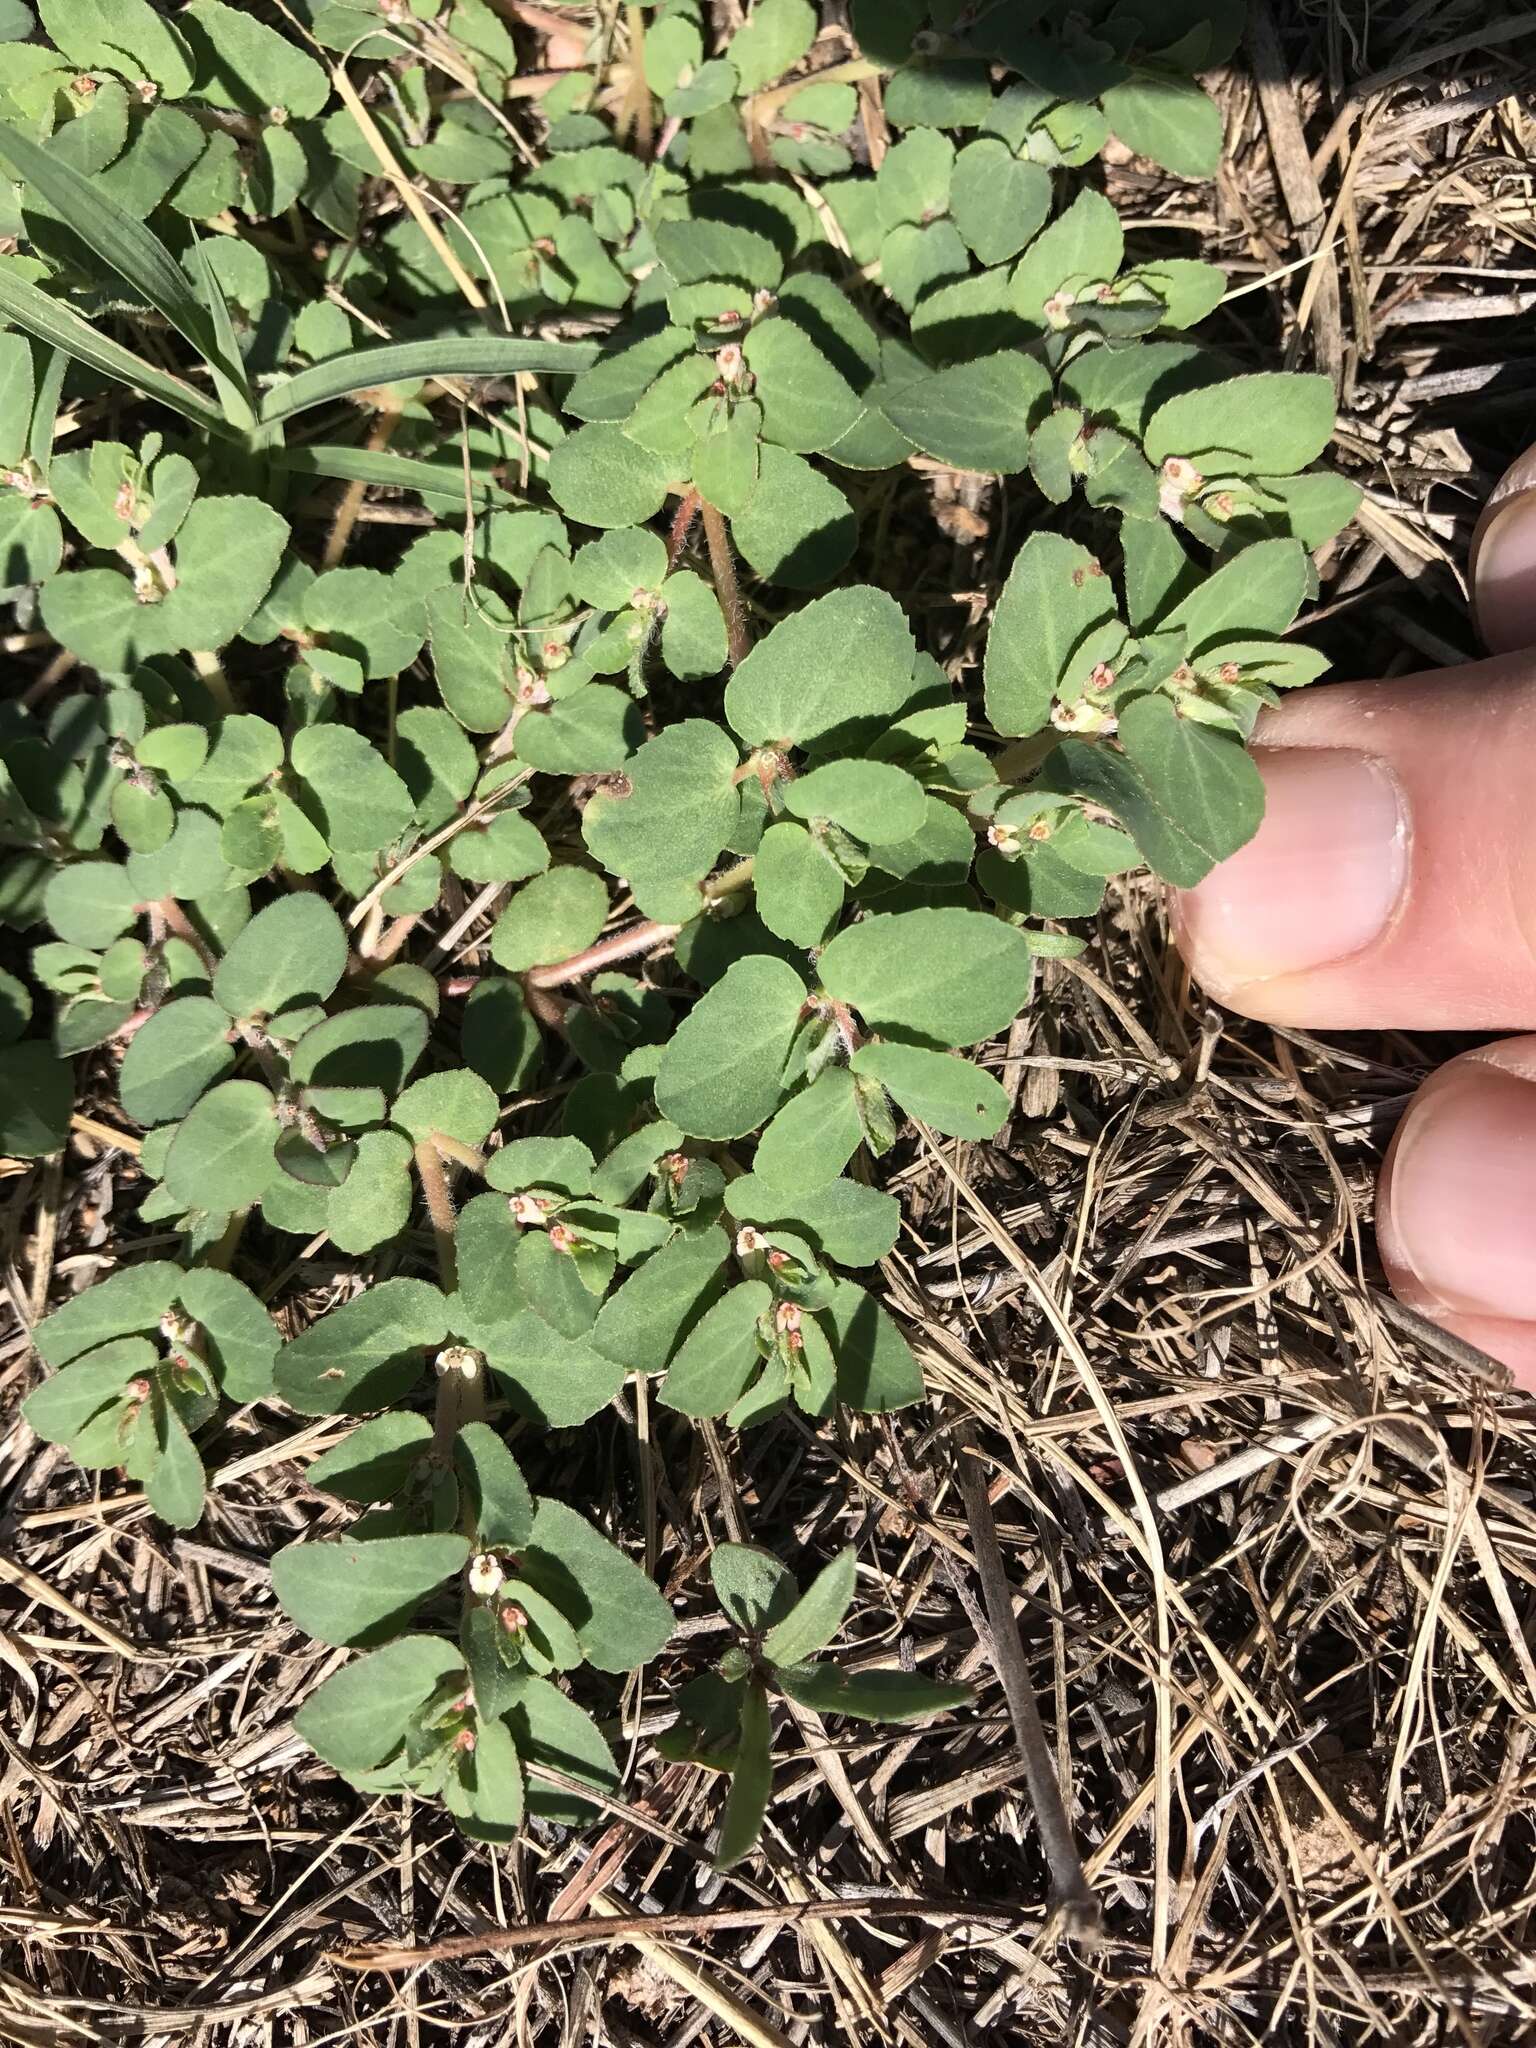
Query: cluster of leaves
x,y
724,1717
638,651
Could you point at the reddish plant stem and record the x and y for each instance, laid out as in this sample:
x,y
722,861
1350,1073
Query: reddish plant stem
x,y
394,937
548,1009
625,945
168,913
434,1185
352,497
634,940
460,1398
175,920
682,525
638,97
722,566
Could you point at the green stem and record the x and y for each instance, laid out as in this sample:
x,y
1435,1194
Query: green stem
x,y
731,881
211,672
224,1251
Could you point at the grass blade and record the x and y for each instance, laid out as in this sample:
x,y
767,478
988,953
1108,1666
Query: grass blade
x,y
126,245
449,355
61,327
45,410
230,379
396,472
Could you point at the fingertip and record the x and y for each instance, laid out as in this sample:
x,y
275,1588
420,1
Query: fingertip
x,y
1456,1214
1502,568
1319,882
1509,1344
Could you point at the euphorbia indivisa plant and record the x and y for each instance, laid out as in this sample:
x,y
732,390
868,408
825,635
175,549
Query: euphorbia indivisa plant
x,y
625,692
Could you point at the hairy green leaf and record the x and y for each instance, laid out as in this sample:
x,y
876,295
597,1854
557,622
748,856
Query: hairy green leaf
x,y
550,918
365,1353
751,1782
358,1717
347,1592
619,1617
721,1074
1049,620
949,976
871,799
1274,422
953,1095
816,1616
799,886
753,1587
642,1323
812,1137
290,954
222,1154
870,1695
719,1357
1169,120
842,658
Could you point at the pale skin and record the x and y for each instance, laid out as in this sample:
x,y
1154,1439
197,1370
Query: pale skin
x,y
1393,885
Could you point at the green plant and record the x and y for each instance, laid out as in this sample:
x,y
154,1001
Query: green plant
x,y
724,1717
640,650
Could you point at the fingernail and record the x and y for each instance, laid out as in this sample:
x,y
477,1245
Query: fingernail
x,y
1504,575
1320,880
1463,1192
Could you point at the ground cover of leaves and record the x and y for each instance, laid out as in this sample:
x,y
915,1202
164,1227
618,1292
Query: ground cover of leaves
x,y
1288,1689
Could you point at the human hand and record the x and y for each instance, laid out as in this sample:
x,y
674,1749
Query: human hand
x,y
1393,885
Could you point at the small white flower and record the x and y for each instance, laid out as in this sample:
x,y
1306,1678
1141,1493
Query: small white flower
x,y
485,1575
